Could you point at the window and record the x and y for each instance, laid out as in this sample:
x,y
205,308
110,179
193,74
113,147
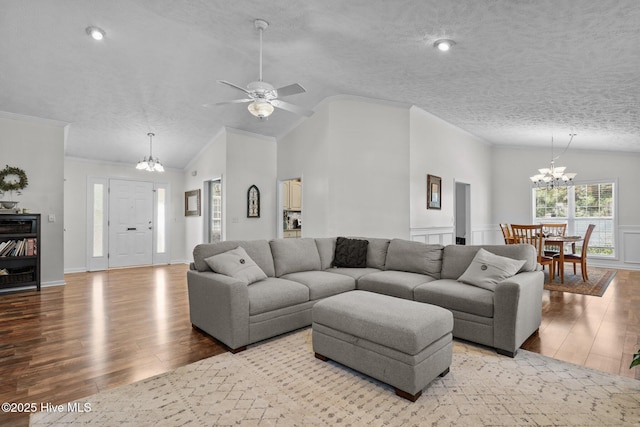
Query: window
x,y
161,220
579,206
98,219
213,211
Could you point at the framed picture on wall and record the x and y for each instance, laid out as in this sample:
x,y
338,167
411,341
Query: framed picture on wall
x,y
434,192
192,203
253,202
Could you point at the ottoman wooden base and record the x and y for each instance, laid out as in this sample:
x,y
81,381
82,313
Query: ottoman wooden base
x,y
403,343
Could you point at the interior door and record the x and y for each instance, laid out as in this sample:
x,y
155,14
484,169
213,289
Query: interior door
x,y
130,223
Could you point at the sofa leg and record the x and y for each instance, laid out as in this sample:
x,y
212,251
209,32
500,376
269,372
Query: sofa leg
x,y
506,353
408,396
238,350
445,372
321,357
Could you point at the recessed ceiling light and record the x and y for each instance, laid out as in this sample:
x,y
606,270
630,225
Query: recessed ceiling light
x,y
96,33
444,44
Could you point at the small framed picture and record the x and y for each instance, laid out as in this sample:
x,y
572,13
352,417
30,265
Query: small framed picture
x,y
253,202
192,203
434,190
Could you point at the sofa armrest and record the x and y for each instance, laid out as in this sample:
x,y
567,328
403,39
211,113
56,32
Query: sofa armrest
x,y
219,305
517,310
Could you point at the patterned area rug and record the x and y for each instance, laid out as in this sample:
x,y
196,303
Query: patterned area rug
x,y
599,280
280,383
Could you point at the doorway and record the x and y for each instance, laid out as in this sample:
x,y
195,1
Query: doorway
x,y
130,223
463,213
127,223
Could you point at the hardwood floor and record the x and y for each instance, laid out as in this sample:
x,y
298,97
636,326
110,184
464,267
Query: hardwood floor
x,y
106,329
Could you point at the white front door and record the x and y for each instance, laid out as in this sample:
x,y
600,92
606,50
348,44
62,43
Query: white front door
x,y
130,223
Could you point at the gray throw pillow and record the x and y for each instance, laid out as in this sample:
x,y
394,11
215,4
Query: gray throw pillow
x,y
237,264
487,269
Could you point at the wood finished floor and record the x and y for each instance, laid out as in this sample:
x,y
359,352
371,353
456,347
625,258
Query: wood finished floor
x,y
107,329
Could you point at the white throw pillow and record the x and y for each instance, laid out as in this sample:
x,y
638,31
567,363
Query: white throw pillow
x,y
237,264
487,269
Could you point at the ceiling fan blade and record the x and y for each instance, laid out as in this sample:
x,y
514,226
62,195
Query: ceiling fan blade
x,y
234,101
290,90
224,82
292,108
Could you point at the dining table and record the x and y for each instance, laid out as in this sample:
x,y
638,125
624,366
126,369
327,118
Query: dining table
x,y
561,241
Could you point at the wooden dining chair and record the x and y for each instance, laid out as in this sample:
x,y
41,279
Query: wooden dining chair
x,y
506,233
532,235
580,258
553,230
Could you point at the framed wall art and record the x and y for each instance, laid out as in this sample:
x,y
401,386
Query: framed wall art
x,y
192,203
253,202
434,192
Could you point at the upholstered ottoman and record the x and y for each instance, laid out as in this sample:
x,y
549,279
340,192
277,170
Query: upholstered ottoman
x,y
403,343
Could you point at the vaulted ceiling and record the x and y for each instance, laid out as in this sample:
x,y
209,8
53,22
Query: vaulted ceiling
x,y
519,73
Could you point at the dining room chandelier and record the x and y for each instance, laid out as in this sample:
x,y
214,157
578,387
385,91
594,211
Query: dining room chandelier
x,y
150,164
554,176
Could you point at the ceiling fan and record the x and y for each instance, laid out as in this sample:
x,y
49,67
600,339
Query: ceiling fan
x,y
262,96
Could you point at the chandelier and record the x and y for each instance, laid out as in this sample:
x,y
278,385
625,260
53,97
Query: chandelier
x,y
554,176
150,164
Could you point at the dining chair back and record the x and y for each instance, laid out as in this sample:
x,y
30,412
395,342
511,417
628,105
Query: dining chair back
x,y
532,234
506,233
580,258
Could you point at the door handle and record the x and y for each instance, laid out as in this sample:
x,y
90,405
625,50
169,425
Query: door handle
x,y
131,229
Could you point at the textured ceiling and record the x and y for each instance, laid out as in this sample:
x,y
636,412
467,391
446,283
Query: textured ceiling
x,y
521,71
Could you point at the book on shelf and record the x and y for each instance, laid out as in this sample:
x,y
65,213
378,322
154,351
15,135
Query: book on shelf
x,y
24,247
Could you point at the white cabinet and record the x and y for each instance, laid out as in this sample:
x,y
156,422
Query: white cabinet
x,y
292,195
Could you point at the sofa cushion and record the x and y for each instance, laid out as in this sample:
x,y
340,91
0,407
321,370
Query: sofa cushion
x,y
456,296
395,283
414,257
487,269
322,284
274,293
350,253
258,250
456,258
356,273
376,252
293,255
326,249
237,264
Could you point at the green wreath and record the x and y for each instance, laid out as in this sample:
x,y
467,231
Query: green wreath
x,y
15,185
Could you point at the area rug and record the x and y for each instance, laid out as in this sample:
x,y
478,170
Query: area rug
x,y
280,383
599,280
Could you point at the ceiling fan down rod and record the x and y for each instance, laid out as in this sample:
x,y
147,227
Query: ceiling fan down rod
x,y
261,25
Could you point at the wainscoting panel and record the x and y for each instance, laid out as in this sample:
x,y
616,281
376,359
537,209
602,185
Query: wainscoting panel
x,y
631,246
433,236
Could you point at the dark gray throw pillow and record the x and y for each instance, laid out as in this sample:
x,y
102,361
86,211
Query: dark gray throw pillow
x,y
350,253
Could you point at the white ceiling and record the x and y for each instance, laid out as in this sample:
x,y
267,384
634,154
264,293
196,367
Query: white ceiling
x,y
521,71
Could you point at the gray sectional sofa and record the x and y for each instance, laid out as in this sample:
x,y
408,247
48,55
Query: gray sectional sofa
x,y
300,272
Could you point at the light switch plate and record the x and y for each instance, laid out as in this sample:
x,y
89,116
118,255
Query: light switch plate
x,y
52,217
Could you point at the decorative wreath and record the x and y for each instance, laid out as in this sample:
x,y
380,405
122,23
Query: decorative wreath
x,y
13,186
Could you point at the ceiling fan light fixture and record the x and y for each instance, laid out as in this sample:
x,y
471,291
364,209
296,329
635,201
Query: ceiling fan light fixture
x,y
96,33
443,45
260,108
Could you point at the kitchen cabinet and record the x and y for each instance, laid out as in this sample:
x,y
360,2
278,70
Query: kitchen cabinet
x,y
292,195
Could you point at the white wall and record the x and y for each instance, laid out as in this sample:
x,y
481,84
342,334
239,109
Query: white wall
x,y
512,188
441,149
353,157
37,147
251,160
76,172
241,159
